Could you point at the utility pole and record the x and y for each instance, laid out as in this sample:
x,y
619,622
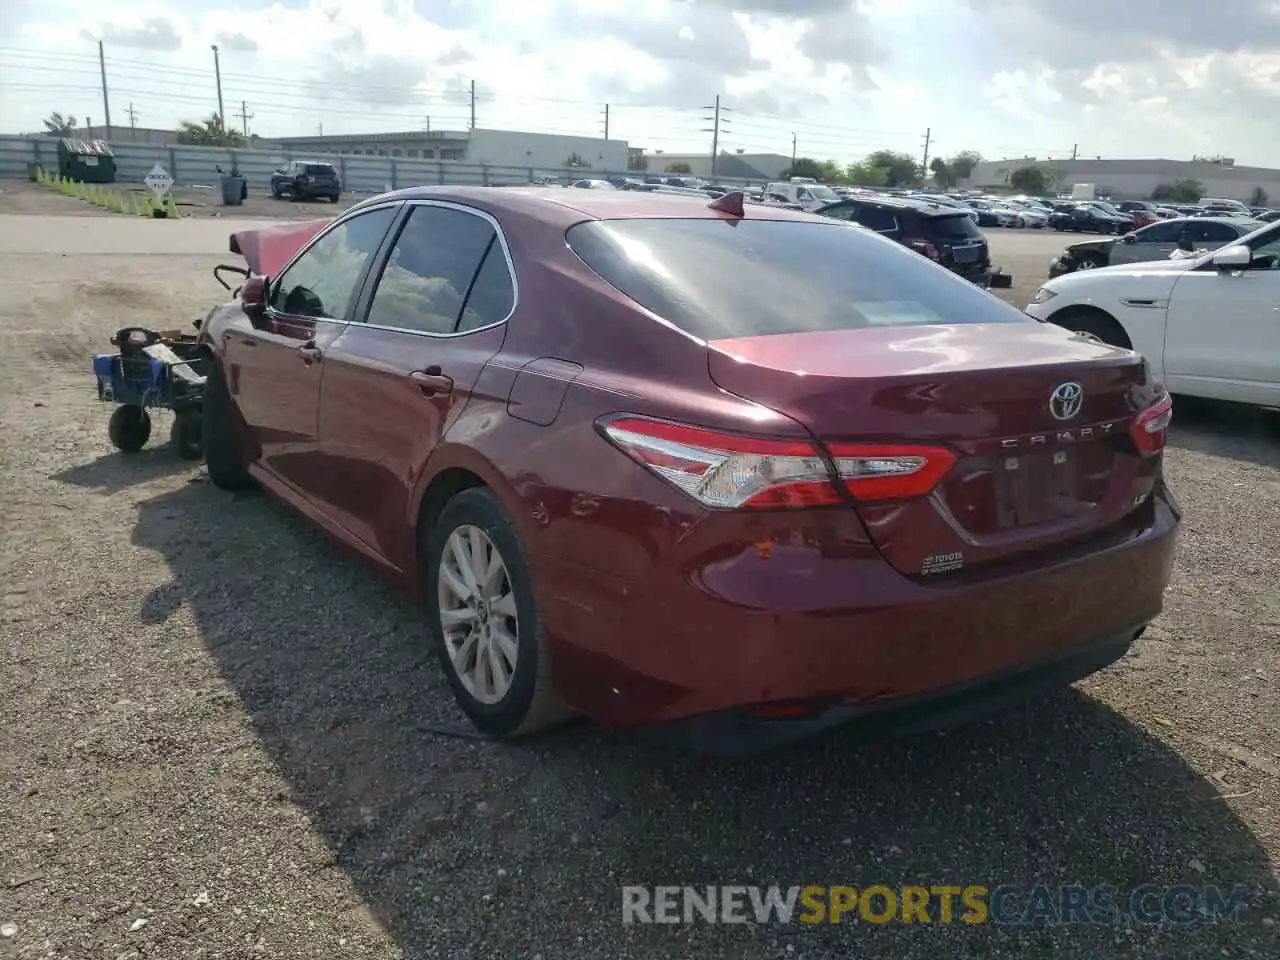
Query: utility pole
x,y
473,105
928,135
106,105
606,121
793,152
1075,149
133,121
217,73
245,116
715,120
428,119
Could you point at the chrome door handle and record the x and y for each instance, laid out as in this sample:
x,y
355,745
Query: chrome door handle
x,y
431,381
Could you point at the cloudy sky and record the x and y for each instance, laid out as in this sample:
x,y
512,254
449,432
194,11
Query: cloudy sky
x,y
1167,78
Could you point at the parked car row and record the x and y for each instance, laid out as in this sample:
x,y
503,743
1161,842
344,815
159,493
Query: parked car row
x,y
620,442
1157,241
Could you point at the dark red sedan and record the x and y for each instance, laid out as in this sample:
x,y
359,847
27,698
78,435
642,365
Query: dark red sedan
x,y
743,473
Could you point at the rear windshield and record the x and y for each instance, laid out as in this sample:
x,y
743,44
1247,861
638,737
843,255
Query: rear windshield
x,y
320,169
957,227
719,279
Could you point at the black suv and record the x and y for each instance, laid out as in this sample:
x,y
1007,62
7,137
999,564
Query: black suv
x,y
945,234
307,180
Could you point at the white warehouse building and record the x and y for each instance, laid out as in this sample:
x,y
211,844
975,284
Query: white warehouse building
x,y
497,148
1137,179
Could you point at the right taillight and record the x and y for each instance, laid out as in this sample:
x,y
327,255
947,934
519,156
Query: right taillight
x,y
1150,428
728,470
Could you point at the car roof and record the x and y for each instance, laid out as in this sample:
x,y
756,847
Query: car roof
x,y
566,206
1229,221
922,205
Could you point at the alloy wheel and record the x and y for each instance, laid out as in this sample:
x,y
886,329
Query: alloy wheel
x,y
478,618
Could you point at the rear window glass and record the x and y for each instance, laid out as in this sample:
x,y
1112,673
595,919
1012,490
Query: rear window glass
x,y
960,226
719,279
320,168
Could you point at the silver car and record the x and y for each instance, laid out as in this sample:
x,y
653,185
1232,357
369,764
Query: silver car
x,y
1157,241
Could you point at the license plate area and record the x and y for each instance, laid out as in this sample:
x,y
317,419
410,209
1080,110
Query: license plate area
x,y
1037,487
965,254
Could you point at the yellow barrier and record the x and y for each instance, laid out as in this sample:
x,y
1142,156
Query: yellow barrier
x,y
115,201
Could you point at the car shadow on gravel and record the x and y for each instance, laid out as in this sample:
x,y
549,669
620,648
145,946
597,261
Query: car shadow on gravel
x,y
1230,430
115,471
467,848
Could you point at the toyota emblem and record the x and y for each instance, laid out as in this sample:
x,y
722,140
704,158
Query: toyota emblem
x,y
1066,400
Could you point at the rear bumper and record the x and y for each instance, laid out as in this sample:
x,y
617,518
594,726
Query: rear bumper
x,y
820,617
988,277
738,732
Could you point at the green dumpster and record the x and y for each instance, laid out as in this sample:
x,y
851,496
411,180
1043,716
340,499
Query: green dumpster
x,y
86,161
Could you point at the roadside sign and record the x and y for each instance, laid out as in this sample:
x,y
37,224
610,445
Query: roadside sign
x,y
158,181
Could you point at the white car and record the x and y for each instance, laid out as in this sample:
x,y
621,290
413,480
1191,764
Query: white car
x,y
1029,215
1209,326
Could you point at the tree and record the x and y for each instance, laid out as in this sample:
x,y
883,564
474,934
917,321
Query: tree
x,y
807,167
211,133
962,164
679,168
901,169
865,175
573,160
1259,198
1029,180
59,125
638,162
1184,191
943,176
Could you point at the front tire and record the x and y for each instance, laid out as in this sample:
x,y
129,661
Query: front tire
x,y
223,452
488,633
129,428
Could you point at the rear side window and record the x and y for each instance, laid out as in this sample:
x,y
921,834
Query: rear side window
x,y
430,270
951,228
878,219
718,279
1216,233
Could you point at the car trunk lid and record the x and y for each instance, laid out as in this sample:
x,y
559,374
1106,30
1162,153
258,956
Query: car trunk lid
x,y
267,249
1029,470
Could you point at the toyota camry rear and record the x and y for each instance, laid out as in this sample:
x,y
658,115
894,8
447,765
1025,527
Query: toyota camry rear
x,y
827,479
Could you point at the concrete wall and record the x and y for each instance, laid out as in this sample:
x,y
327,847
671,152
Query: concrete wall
x,y
512,148
1136,179
360,174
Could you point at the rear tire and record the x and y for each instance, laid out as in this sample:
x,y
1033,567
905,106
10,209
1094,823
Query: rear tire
x,y
1096,322
223,452
129,428
523,700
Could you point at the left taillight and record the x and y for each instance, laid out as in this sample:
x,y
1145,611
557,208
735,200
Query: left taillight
x,y
925,248
728,471
1150,428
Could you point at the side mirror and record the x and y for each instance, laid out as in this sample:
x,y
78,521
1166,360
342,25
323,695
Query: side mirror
x,y
253,296
1130,238
1235,257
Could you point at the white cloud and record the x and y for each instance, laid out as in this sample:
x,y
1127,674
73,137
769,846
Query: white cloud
x,y
845,76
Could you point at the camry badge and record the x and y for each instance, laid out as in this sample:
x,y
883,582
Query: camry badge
x,y
1066,400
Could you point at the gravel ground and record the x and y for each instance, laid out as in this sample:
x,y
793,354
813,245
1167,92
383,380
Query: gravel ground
x,y
212,720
